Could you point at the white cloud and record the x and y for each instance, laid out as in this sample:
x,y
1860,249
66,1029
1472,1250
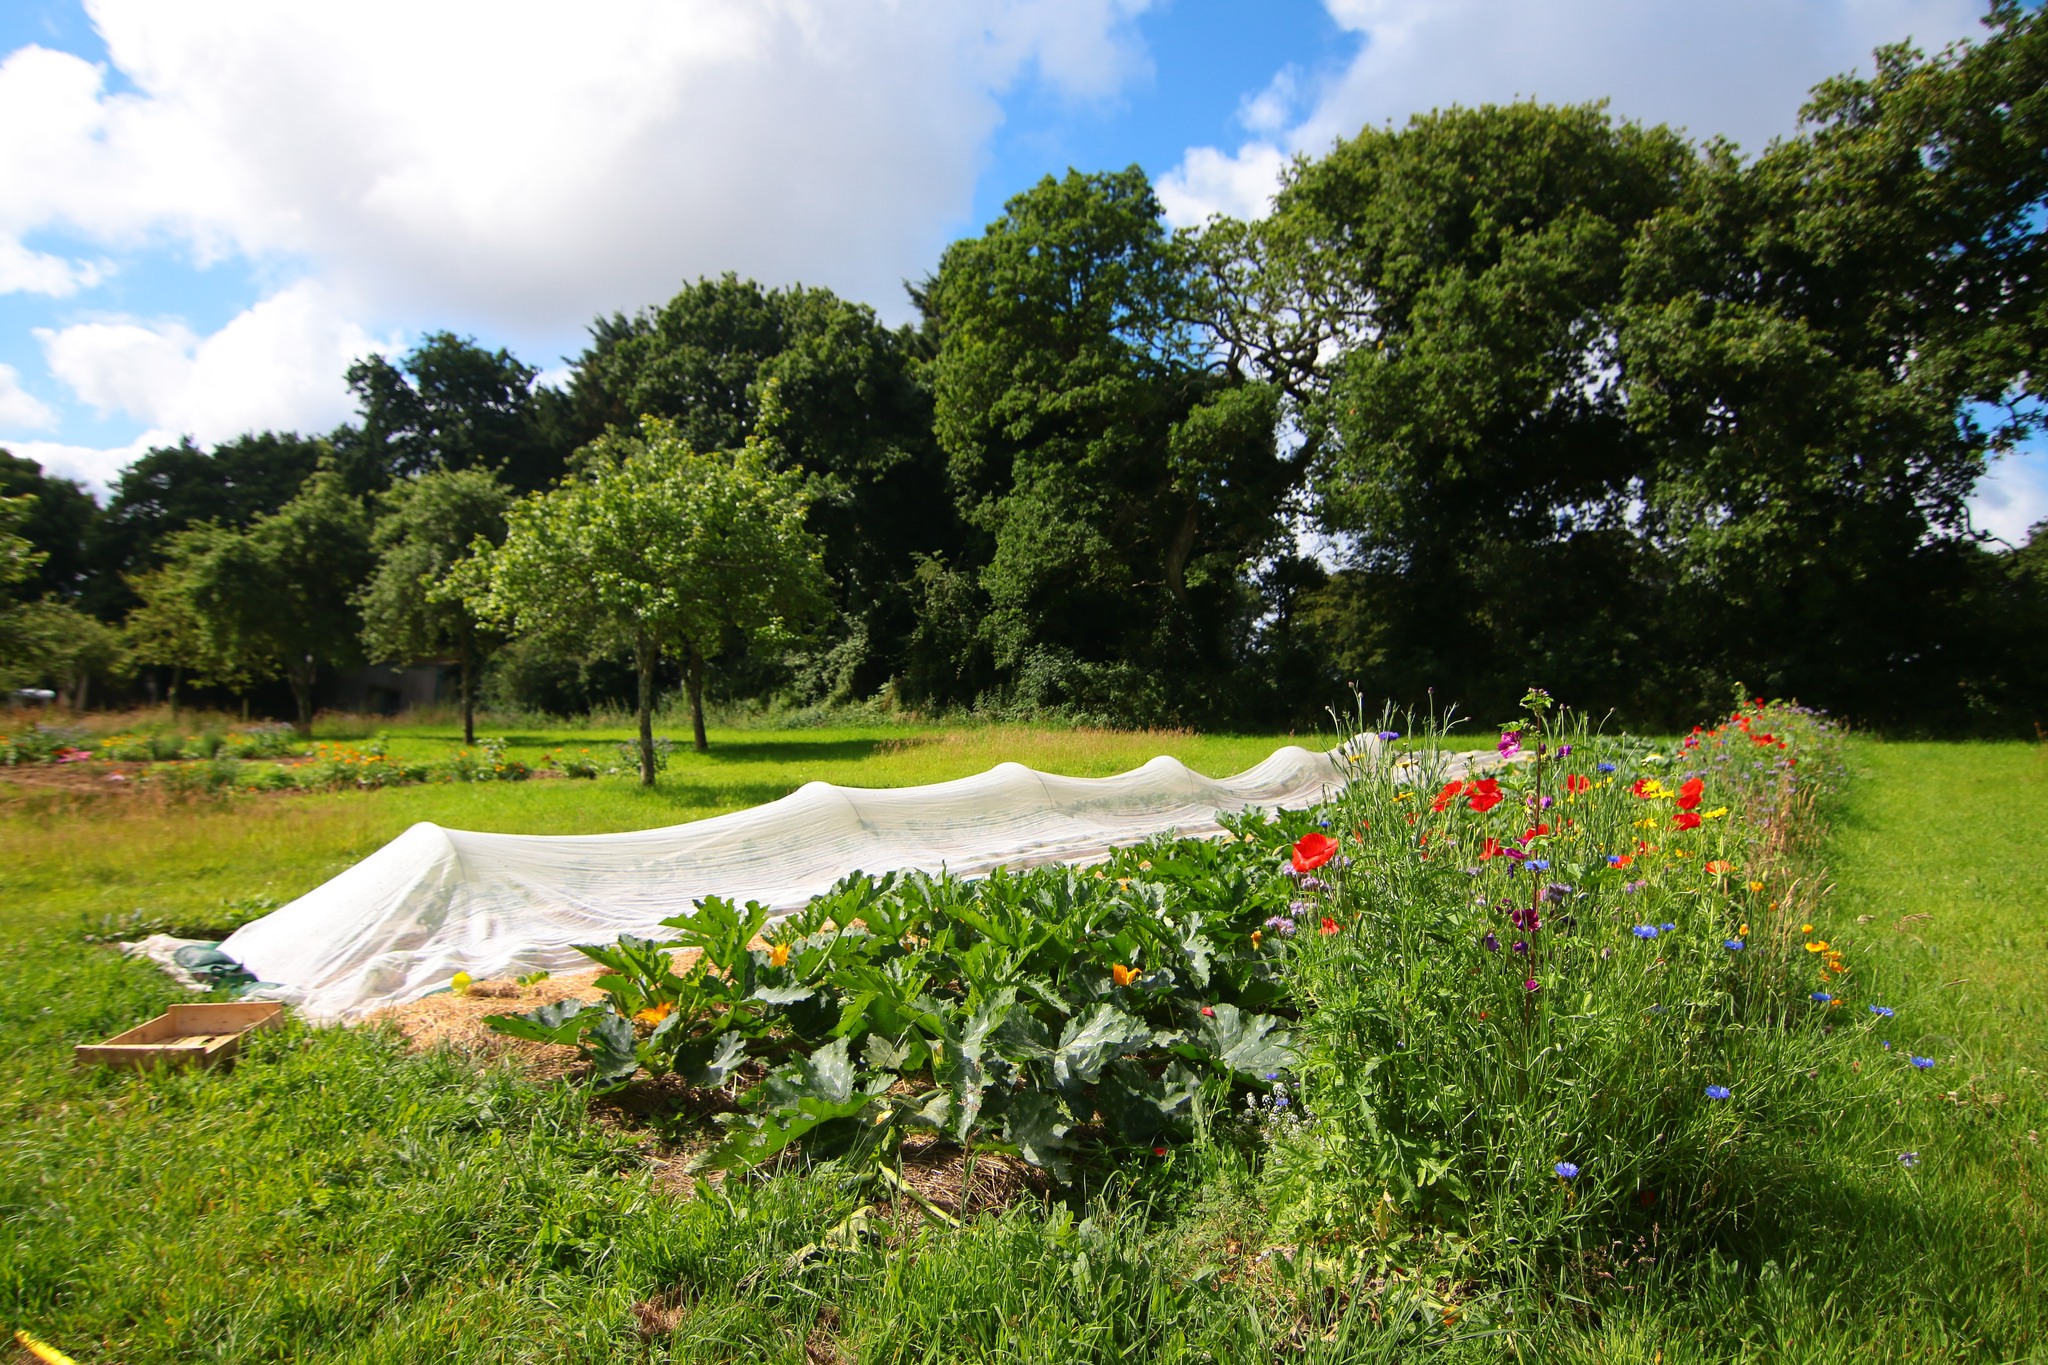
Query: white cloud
x,y
2013,496
95,467
277,365
527,164
21,410
1208,182
1739,68
23,271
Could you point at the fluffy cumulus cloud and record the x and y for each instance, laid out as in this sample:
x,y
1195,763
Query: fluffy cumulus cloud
x,y
1740,69
21,410
530,165
276,365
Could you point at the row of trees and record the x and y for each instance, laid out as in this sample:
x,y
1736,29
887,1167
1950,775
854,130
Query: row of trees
x,y
1554,395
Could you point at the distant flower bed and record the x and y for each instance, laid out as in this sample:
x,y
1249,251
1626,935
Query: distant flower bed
x,y
345,767
54,744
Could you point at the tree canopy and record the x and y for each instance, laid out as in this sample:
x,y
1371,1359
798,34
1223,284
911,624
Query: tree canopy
x,y
659,548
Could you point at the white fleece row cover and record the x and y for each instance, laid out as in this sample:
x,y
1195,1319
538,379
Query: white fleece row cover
x,y
435,901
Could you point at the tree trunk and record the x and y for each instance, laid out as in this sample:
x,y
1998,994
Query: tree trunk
x,y
644,656
468,700
1180,551
301,678
694,675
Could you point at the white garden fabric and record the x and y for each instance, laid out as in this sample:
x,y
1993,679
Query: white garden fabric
x,y
434,901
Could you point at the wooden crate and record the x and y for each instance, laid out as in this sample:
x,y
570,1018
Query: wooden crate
x,y
183,1035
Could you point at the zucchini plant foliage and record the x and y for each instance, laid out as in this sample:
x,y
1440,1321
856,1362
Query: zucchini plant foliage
x,y
1029,1012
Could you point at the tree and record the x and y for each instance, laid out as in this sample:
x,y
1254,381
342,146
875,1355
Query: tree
x,y
1120,488
660,548
60,526
278,598
1822,348
1439,303
164,628
448,404
59,645
428,524
19,561
172,488
840,397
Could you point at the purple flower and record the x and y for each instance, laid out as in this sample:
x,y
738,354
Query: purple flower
x,y
1564,751
1556,892
1521,947
1390,735
1490,943
1909,1159
1530,985
1733,945
1301,907
1565,1170
1884,1010
1646,931
1923,1062
1314,884
1281,925
1717,1092
1510,743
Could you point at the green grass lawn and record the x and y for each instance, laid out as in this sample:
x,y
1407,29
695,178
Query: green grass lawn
x,y
336,1198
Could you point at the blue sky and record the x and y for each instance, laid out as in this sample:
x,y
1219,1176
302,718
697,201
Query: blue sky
x,y
213,208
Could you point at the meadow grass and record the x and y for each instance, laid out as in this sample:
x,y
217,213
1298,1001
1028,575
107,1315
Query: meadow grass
x,y
338,1198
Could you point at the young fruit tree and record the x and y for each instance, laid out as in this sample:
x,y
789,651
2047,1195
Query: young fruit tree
x,y
660,548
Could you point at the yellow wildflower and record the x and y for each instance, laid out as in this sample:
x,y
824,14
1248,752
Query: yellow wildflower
x,y
1756,886
778,956
460,985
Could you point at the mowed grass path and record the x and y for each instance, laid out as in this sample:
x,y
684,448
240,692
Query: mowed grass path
x,y
337,1199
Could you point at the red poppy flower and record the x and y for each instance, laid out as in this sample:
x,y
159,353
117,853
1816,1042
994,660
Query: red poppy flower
x,y
1535,831
1686,819
1159,1151
1690,793
1451,791
1621,860
1717,866
1329,925
1483,795
1578,782
1491,849
1313,851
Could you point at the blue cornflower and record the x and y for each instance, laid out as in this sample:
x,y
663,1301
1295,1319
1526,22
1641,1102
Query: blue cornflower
x,y
1923,1062
1272,1075
1646,931
1667,928
1717,1092
1565,1169
1887,1045
1884,1010
1540,864
1909,1159
1822,998
1604,767
1390,735
1614,860
1733,945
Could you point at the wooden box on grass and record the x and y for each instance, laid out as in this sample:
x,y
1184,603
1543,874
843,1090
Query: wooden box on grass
x,y
183,1035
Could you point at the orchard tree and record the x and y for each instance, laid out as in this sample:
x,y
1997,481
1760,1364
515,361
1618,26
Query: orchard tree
x,y
409,613
662,549
278,599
